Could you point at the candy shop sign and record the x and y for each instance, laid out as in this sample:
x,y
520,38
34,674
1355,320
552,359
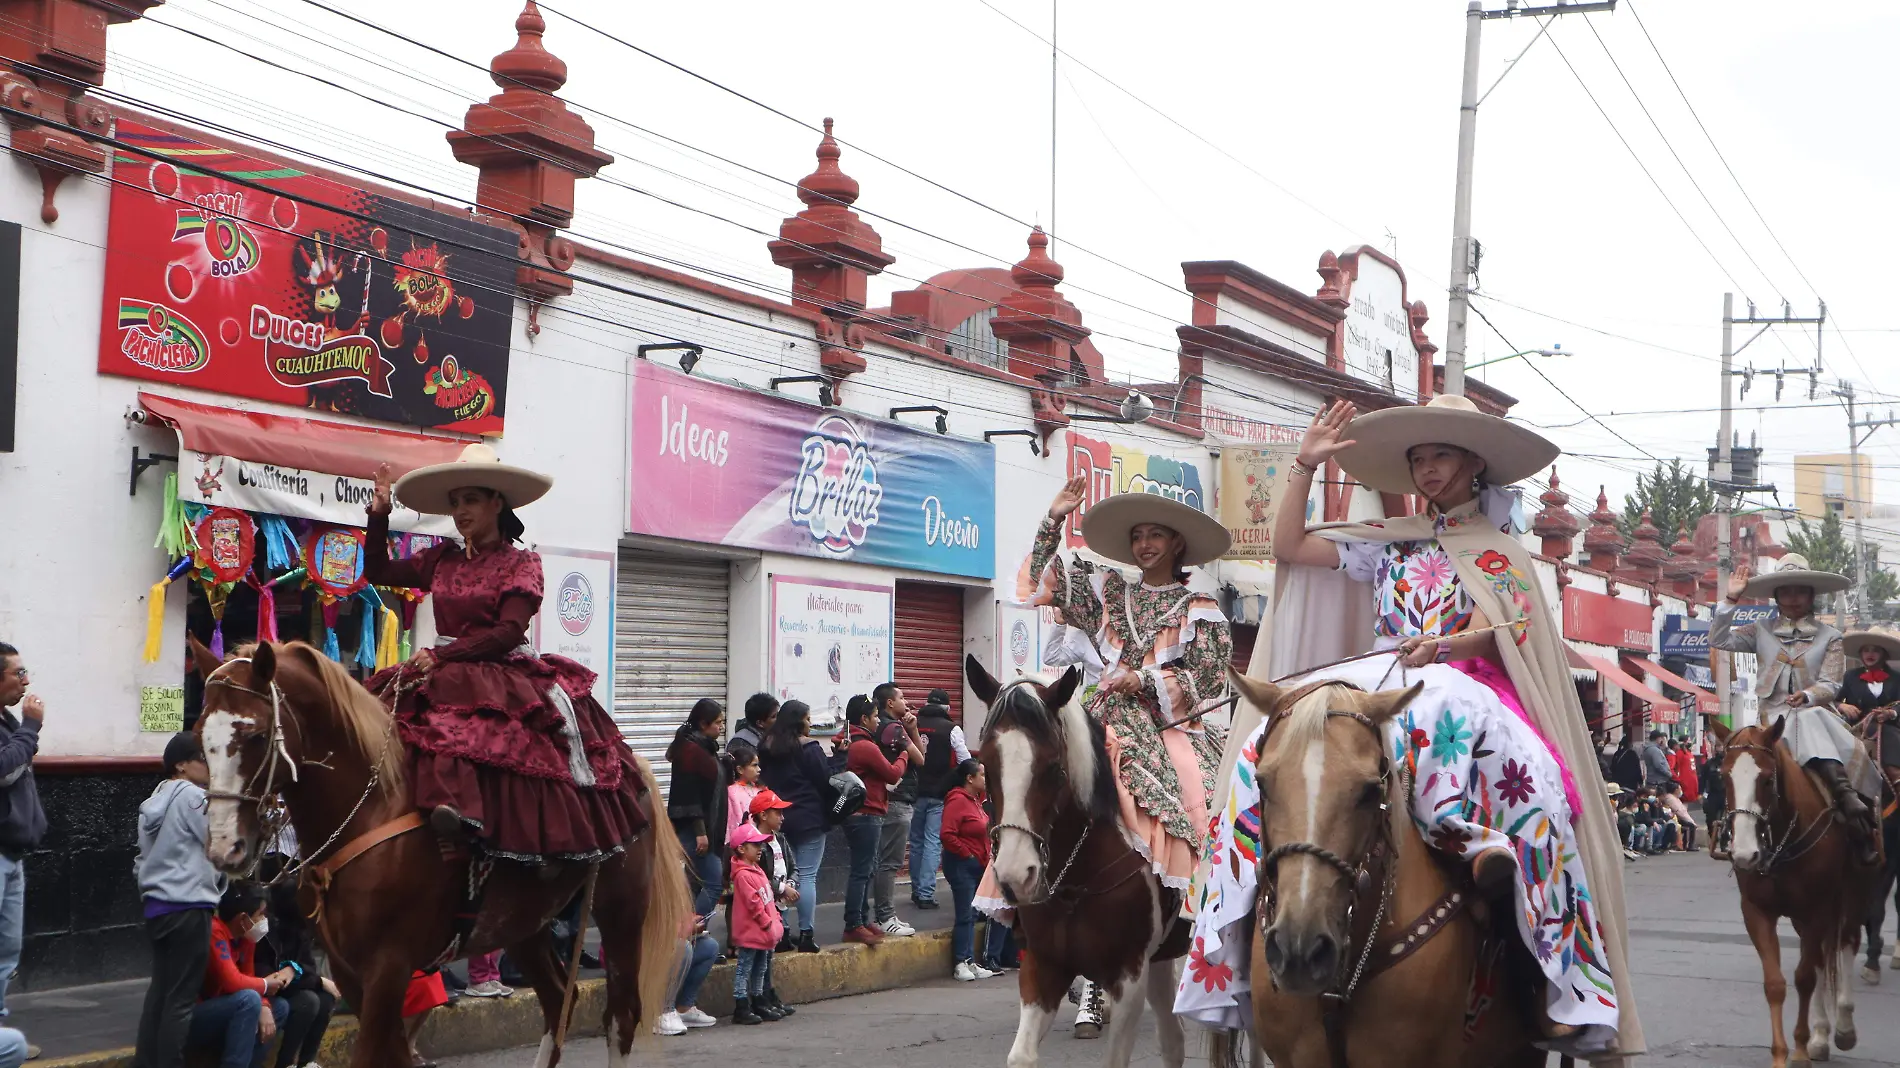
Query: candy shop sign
x,y
216,481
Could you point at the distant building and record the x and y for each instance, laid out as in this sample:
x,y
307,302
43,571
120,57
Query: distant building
x,y
1826,483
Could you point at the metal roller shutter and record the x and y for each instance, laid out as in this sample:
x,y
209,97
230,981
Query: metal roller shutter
x,y
670,638
928,645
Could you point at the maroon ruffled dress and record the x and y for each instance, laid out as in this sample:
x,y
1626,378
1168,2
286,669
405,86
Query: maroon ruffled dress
x,y
482,733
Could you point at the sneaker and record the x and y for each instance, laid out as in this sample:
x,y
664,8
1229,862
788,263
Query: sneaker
x,y
693,1017
865,936
896,928
490,989
983,972
964,972
925,903
669,1023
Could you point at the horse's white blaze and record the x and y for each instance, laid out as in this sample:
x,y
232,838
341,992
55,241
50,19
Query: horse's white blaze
x,y
1016,854
1745,777
1313,771
219,731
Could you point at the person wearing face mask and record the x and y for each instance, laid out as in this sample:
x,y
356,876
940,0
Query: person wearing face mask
x,y
239,1012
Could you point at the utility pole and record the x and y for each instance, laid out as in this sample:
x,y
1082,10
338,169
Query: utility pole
x,y
1462,261
1858,497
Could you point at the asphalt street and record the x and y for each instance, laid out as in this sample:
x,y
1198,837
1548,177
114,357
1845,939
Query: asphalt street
x,y
1696,974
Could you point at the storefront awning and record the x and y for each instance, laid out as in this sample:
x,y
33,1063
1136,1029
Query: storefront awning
x,y
1624,680
305,444
1705,701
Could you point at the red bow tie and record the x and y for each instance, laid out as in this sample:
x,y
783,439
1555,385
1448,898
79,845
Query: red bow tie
x,y
1874,676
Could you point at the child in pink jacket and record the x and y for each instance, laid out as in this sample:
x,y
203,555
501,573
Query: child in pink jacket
x,y
756,927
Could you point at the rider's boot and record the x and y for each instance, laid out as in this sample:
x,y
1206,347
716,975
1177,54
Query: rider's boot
x,y
1092,1015
450,836
1864,830
1493,872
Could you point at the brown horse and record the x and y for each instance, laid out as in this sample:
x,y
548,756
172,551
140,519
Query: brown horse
x,y
1367,945
1087,902
1792,858
289,721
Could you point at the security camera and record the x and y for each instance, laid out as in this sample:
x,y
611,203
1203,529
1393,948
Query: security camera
x,y
1137,407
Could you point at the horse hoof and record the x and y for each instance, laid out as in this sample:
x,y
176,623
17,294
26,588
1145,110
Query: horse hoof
x,y
1819,1049
1846,1040
1088,1030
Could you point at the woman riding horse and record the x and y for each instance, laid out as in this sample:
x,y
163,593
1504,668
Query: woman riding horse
x,y
505,746
1507,782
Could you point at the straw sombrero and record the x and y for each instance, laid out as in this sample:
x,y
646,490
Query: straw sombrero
x,y
1855,640
426,489
1377,458
1107,526
1793,570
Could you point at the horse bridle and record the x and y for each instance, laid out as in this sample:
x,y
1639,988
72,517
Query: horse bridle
x,y
1777,851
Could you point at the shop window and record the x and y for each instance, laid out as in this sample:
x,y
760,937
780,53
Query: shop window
x,y
973,340
299,618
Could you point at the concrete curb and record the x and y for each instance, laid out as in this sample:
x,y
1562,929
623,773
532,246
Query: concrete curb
x,y
478,1026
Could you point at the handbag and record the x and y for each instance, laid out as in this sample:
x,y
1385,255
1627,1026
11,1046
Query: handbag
x,y
845,796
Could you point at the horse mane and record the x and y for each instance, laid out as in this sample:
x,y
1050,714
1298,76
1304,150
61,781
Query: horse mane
x,y
359,713
1082,741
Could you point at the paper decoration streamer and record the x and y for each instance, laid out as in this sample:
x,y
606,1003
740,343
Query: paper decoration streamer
x,y
155,610
174,532
280,545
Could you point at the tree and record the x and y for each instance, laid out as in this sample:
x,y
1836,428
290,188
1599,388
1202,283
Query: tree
x,y
1675,497
1827,547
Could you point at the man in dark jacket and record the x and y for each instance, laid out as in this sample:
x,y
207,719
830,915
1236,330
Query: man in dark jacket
x,y
22,820
895,722
1626,767
944,749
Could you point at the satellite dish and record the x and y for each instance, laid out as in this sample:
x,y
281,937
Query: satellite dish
x,y
1137,407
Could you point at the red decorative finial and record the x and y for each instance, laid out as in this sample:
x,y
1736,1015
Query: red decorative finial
x,y
527,63
1037,270
828,184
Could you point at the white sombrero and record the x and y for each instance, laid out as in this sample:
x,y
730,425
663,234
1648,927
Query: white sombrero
x,y
1855,640
426,489
1108,525
1793,570
1511,452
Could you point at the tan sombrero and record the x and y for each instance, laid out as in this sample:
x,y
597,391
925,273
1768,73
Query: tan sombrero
x,y
1855,640
1793,570
426,489
1377,458
1107,527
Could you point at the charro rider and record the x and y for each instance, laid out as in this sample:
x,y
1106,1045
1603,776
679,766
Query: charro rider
x,y
1869,692
1165,651
1498,721
1800,662
505,747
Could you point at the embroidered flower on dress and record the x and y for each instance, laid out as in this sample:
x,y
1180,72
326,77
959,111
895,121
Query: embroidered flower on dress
x,y
1449,736
1450,838
1429,572
1515,784
1419,738
1492,562
1211,975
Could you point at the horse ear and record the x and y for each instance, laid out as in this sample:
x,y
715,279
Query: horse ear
x,y
1720,730
263,663
1260,693
1065,687
1775,729
1385,704
201,657
981,681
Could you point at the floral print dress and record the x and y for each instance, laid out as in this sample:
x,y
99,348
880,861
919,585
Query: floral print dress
x,y
1484,778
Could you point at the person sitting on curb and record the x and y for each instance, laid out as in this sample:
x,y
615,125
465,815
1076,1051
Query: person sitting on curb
x,y
239,1012
291,943
698,950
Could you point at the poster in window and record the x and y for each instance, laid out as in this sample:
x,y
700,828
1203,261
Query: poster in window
x,y
830,641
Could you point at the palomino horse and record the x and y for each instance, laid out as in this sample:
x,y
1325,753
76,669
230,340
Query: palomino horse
x,y
1087,901
290,721
1792,858
1368,950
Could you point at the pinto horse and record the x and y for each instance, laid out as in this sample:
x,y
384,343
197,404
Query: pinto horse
x,y
289,721
1087,901
1368,948
1792,858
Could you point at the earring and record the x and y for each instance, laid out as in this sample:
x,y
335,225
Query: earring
x,y
1477,484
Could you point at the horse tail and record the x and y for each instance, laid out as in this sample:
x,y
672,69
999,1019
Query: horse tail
x,y
1223,1048
669,901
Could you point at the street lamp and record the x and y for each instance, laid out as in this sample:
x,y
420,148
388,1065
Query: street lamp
x,y
1554,351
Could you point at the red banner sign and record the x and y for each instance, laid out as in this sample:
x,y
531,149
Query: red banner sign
x,y
1605,620
313,293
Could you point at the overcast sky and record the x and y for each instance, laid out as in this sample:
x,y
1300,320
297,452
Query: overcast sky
x,y
1313,127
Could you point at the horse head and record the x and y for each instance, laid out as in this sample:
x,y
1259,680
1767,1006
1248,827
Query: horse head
x,y
262,715
1755,768
1046,761
1326,803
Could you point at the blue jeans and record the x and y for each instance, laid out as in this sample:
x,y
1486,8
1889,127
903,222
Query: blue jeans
x,y
926,847
861,833
229,1024
12,1048
999,945
696,961
12,921
807,854
963,873
752,974
708,875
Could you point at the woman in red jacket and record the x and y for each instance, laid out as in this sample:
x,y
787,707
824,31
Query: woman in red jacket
x,y
966,852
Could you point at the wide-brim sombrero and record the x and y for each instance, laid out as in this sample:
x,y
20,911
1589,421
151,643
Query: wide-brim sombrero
x,y
427,489
1377,458
1109,523
1855,640
1793,570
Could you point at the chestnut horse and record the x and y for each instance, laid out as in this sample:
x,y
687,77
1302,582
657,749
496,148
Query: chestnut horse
x,y
1792,858
1087,901
289,721
1366,945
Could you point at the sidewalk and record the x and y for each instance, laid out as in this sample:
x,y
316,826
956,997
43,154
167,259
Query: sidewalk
x,y
92,1019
